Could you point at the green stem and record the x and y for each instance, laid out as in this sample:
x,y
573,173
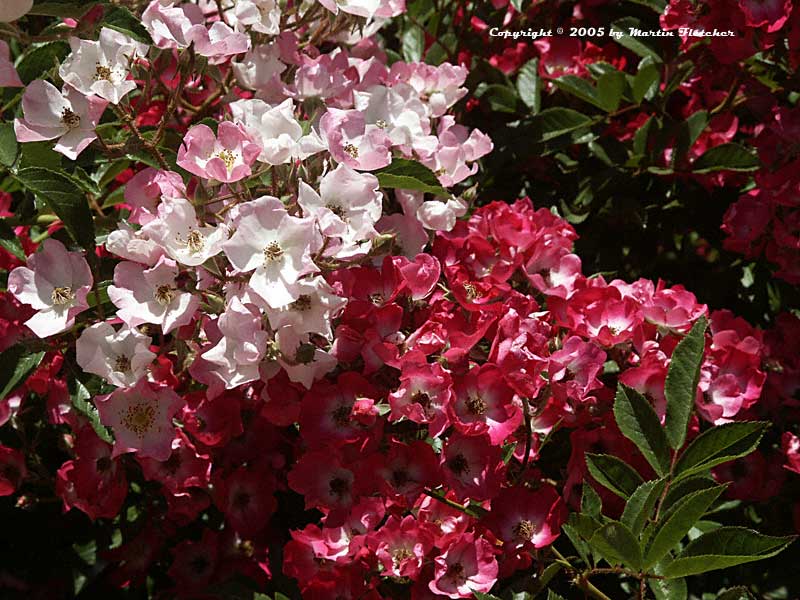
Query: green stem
x,y
580,580
451,503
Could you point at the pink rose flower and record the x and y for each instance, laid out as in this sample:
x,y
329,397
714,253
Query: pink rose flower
x,y
185,239
275,246
459,147
141,418
151,295
353,142
235,358
226,157
144,190
179,26
120,357
49,114
55,283
102,68
468,565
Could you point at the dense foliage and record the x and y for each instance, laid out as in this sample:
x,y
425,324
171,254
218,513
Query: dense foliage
x,y
360,299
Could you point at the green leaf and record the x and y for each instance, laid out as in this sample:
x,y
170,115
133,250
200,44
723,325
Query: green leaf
x,y
610,88
82,179
726,157
64,199
639,423
547,575
508,450
438,52
529,85
501,98
686,133
591,504
718,445
620,30
106,173
86,552
613,473
554,122
584,525
80,397
551,595
413,44
725,547
642,135
56,8
667,589
736,593
8,144
618,545
581,547
407,174
645,83
580,88
609,150
41,59
10,242
681,384
122,20
676,525
16,364
39,154
481,596
640,505
696,124
684,487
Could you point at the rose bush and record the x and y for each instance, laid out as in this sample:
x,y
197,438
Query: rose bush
x,y
268,331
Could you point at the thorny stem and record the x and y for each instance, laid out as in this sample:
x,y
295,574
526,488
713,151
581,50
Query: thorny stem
x,y
731,95
581,579
147,144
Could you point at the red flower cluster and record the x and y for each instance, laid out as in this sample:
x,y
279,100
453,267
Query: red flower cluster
x,y
765,221
416,458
